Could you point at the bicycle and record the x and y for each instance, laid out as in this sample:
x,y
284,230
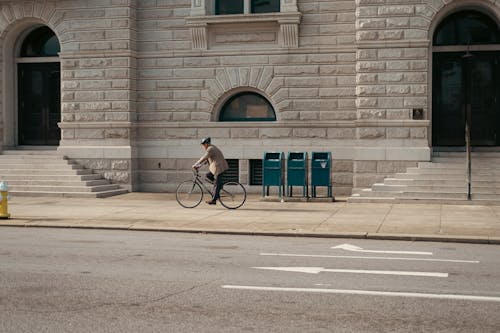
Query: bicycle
x,y
189,193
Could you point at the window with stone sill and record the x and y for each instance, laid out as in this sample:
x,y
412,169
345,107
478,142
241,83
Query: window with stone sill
x,y
228,7
207,14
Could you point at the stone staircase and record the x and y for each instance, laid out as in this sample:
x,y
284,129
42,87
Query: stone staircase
x,y
441,181
46,173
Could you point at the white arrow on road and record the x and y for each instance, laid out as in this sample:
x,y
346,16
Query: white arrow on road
x,y
317,270
353,248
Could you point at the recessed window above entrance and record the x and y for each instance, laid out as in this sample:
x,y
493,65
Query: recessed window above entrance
x,y
247,106
467,27
41,42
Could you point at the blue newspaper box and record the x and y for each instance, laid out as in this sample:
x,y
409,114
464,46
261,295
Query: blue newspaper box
x,y
321,166
297,172
272,172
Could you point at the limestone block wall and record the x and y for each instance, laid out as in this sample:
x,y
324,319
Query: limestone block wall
x,y
181,89
98,77
345,88
392,80
98,92
142,81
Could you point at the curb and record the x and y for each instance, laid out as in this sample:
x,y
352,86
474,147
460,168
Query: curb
x,y
351,235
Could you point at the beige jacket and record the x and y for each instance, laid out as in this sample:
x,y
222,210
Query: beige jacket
x,y
217,164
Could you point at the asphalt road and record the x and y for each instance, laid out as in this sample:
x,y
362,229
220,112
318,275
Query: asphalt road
x,y
69,280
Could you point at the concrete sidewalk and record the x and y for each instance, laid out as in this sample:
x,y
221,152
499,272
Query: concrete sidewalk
x,y
160,211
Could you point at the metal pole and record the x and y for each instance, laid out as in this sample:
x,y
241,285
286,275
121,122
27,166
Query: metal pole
x,y
468,110
468,149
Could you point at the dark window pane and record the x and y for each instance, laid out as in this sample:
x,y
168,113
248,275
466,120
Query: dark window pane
x,y
41,42
467,28
226,7
265,6
247,107
233,173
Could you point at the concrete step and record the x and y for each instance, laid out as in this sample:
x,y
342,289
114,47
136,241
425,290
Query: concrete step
x,y
461,164
7,172
424,188
443,180
450,177
39,166
34,158
47,173
56,177
31,152
454,171
383,187
475,162
102,194
383,194
434,165
56,188
486,196
13,183
360,199
444,201
417,182
436,171
474,154
434,195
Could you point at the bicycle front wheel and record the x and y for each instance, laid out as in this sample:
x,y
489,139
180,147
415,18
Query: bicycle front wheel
x,y
189,194
232,195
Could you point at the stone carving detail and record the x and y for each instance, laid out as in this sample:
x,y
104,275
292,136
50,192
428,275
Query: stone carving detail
x,y
289,35
259,78
199,37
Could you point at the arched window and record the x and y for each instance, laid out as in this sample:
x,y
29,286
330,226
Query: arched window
x,y
247,106
467,27
41,42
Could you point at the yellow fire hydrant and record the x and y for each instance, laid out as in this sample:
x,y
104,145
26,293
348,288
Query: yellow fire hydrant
x,y
4,207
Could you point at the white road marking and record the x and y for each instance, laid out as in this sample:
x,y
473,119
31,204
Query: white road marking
x,y
317,270
374,258
349,247
369,293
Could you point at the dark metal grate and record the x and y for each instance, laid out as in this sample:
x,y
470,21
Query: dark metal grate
x,y
255,172
233,173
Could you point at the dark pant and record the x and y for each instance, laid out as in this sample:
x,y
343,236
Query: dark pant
x,y
217,180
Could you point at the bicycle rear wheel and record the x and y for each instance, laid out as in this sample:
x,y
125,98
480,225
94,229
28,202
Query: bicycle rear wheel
x,y
232,195
189,194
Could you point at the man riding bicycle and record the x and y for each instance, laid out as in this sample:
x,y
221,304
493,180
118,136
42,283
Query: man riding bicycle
x,y
217,165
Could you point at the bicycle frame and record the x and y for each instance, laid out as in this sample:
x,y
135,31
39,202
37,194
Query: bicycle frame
x,y
197,178
232,197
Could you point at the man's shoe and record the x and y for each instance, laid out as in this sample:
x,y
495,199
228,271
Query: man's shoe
x,y
211,202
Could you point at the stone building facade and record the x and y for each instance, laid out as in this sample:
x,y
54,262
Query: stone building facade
x,y
141,81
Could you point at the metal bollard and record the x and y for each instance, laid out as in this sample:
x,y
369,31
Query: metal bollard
x,y
4,194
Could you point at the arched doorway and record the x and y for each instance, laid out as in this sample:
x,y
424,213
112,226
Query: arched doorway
x,y
39,80
466,80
